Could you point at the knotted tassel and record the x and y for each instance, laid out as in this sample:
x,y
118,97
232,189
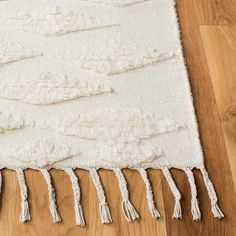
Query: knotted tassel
x,y
103,209
212,195
25,214
194,201
177,209
51,196
151,204
127,207
76,190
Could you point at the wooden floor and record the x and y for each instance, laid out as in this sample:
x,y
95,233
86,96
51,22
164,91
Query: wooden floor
x,y
209,39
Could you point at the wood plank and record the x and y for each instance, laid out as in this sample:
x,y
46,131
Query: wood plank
x,y
215,12
220,47
206,12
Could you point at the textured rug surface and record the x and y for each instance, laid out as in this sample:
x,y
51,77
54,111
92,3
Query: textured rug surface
x,y
97,84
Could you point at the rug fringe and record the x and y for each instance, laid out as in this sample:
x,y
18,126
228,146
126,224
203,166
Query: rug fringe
x,y
104,209
127,207
212,194
51,196
25,212
79,217
151,204
194,201
177,214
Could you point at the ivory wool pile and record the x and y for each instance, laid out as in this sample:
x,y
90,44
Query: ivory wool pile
x,y
95,84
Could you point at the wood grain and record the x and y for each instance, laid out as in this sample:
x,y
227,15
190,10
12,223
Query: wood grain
x,y
216,12
213,142
220,48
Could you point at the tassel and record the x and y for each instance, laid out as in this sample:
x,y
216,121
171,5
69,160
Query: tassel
x,y
177,208
151,205
195,210
212,195
216,211
105,213
127,207
129,211
51,196
25,213
76,190
194,201
79,216
104,209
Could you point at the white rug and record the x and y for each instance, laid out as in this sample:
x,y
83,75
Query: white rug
x,y
97,84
